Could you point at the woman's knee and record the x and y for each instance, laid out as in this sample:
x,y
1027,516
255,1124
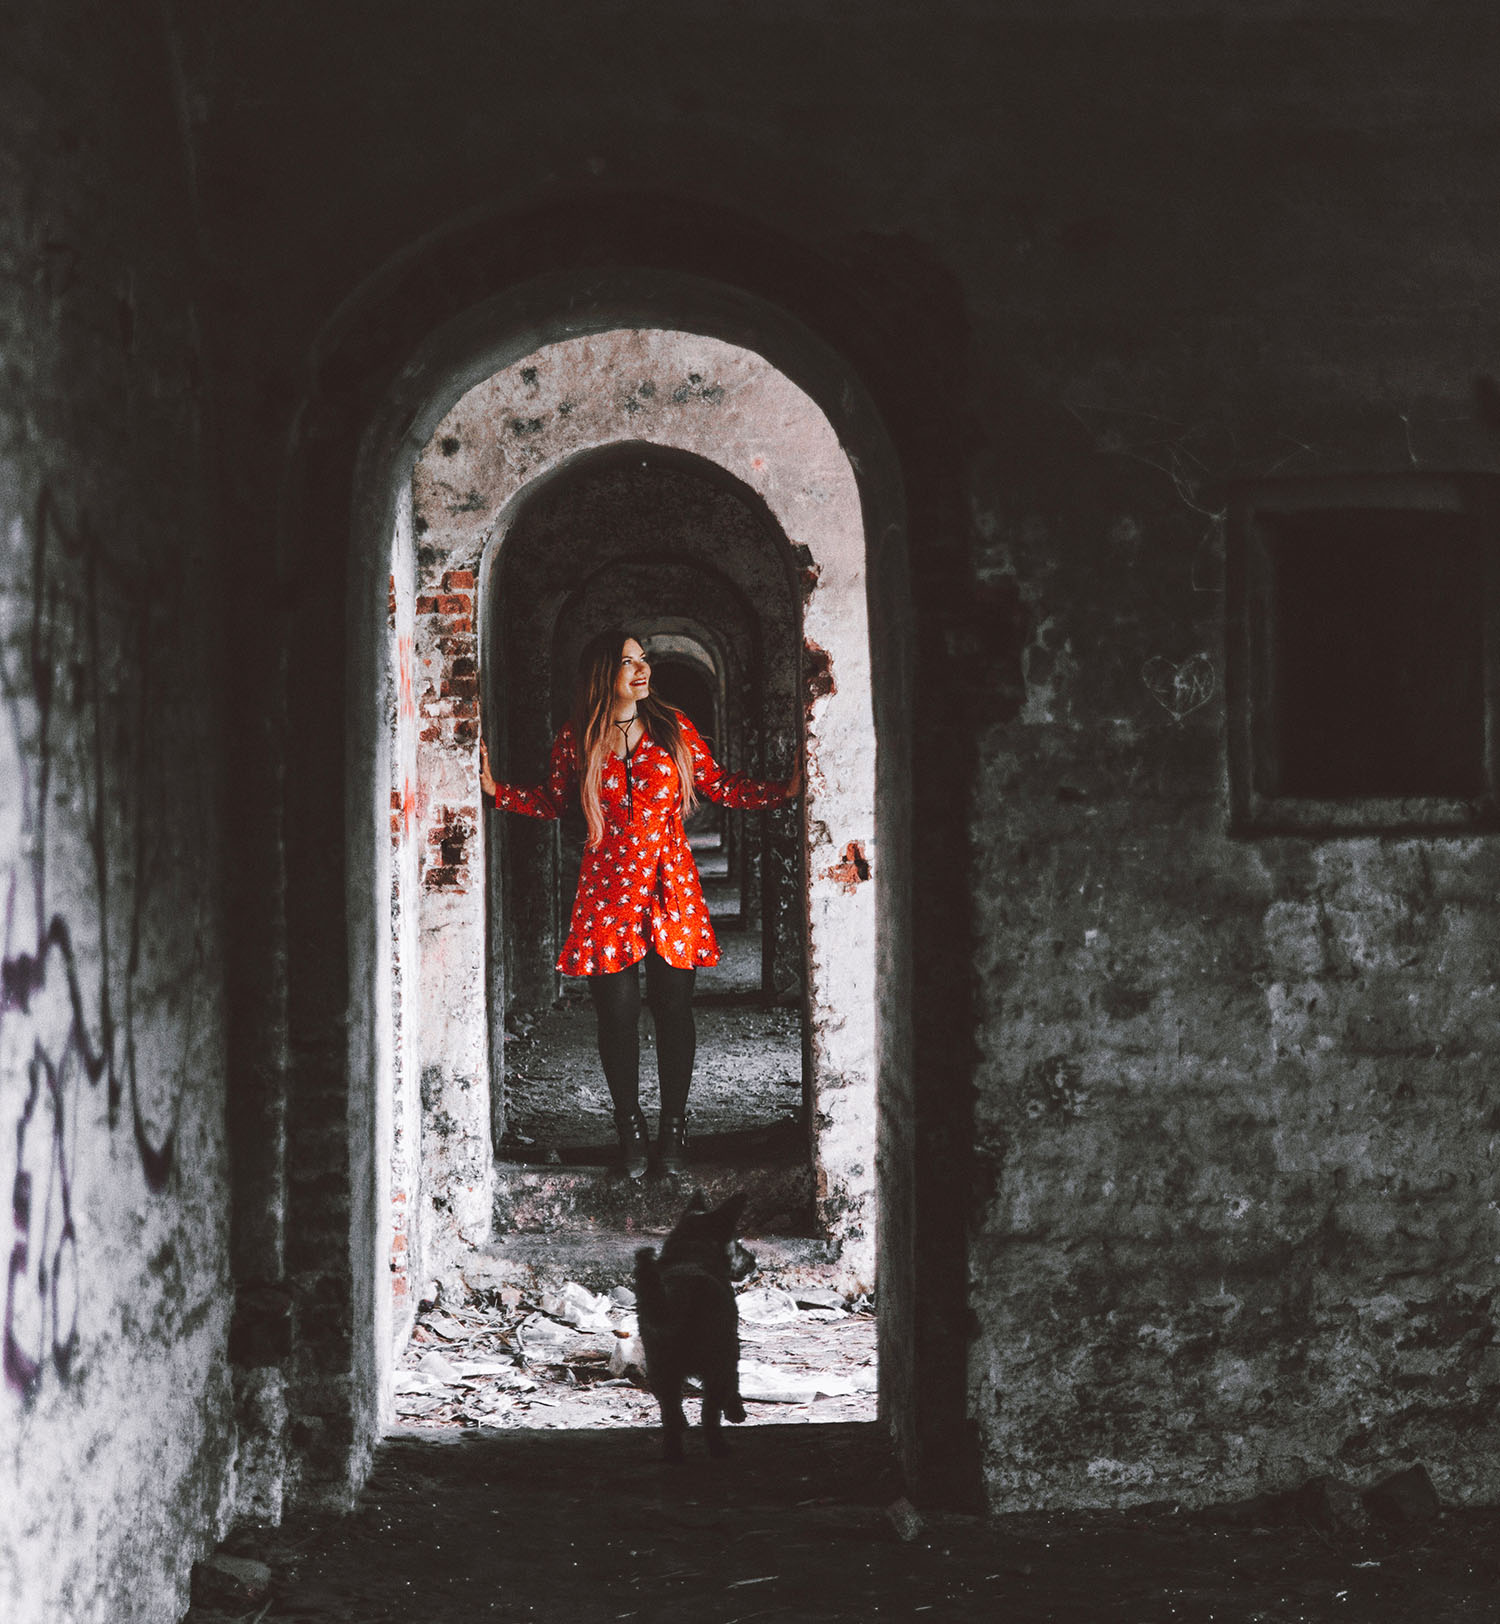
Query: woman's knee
x,y
616,996
668,989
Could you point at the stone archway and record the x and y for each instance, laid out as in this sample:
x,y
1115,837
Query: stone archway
x,y
728,406
386,375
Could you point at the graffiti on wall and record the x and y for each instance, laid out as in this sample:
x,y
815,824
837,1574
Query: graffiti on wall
x,y
71,977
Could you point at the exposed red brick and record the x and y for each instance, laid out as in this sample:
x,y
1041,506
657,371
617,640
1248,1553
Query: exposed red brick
x,y
458,580
852,870
426,606
452,603
817,673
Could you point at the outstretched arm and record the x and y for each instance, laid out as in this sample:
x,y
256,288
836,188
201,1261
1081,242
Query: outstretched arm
x,y
535,800
735,789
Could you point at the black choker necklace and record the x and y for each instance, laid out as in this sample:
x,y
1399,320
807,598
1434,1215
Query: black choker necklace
x,y
624,727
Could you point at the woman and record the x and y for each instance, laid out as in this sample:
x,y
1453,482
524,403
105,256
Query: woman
x,y
639,766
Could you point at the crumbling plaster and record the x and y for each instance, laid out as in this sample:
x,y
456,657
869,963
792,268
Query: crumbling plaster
x,y
729,406
1237,1110
117,1399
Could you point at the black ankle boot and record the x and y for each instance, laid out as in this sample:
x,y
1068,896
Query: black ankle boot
x,y
671,1147
631,1127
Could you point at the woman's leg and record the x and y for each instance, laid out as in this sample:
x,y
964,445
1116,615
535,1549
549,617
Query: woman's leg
x,y
669,992
617,1004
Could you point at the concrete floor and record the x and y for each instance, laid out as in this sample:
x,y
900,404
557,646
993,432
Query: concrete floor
x,y
748,1074
805,1523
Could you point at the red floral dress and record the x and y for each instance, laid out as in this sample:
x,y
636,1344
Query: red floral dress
x,y
639,888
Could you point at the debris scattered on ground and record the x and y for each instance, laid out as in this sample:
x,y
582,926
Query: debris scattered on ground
x,y
1333,1505
766,1305
904,1517
229,1582
818,1297
559,1355
1404,1497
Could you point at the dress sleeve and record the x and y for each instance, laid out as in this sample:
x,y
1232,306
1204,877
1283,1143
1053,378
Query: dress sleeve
x,y
723,786
544,800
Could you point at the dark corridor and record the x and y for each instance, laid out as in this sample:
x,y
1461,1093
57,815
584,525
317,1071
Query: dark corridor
x,y
697,569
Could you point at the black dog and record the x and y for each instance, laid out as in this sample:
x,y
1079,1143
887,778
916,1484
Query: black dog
x,y
689,1320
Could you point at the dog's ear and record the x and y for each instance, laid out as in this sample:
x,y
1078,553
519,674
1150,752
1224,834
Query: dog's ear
x,y
726,1215
697,1202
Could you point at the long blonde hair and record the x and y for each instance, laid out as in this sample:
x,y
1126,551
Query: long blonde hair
x,y
593,714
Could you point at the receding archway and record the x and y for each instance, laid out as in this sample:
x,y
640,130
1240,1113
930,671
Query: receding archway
x,y
478,341
726,406
698,569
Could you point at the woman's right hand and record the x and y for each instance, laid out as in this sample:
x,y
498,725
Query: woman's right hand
x,y
486,777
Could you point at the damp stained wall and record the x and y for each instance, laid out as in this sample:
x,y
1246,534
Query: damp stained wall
x,y
117,1439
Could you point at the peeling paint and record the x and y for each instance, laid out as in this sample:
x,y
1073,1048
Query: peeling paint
x,y
817,673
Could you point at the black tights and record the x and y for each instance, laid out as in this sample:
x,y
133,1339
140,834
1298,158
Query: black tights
x,y
617,1003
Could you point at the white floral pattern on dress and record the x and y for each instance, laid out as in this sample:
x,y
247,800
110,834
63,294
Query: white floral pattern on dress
x,y
646,895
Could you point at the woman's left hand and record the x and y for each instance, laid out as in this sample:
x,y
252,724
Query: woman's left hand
x,y
486,777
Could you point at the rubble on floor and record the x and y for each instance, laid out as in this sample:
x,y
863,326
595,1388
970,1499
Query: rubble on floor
x,y
559,1355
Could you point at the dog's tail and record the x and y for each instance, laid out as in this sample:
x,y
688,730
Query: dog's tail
x,y
650,1298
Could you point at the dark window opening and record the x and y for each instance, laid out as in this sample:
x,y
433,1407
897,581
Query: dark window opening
x,y
1360,668
1376,654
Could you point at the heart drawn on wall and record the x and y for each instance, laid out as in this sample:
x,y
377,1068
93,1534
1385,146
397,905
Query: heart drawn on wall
x,y
1180,686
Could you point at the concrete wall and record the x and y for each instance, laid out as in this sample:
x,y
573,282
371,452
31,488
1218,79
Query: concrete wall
x,y
1181,1218
407,1231
117,1439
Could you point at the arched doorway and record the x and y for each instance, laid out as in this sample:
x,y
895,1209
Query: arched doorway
x,y
350,1019
698,569
722,407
